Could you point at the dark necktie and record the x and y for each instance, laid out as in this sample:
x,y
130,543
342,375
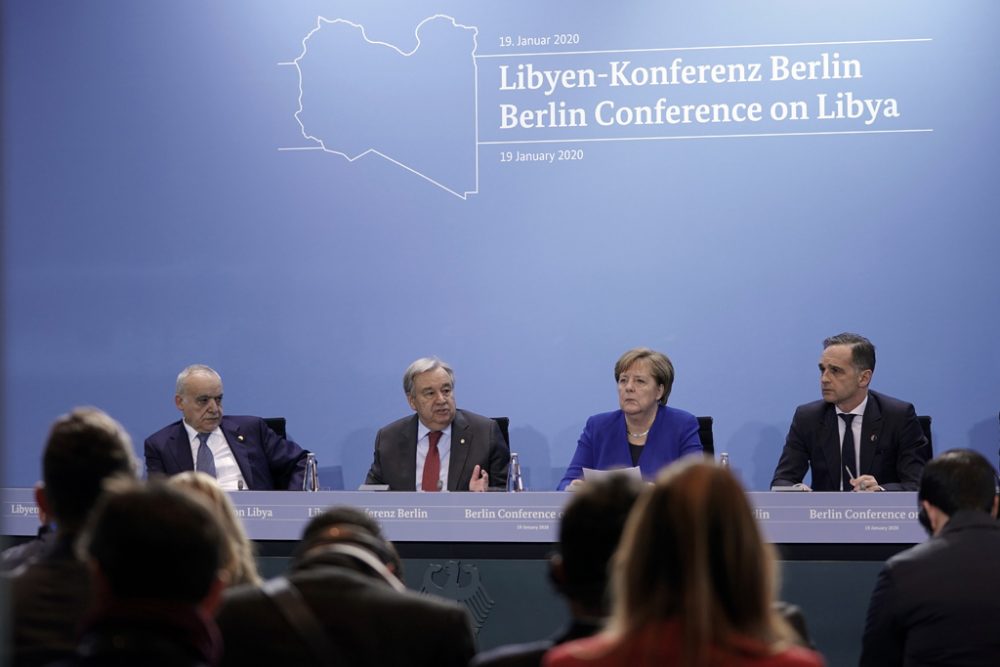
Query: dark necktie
x,y
847,453
206,462
432,464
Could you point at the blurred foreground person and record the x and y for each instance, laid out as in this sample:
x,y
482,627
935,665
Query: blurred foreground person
x,y
342,603
155,553
50,594
589,532
937,603
693,583
238,561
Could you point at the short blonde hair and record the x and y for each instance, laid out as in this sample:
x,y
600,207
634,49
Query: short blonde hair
x,y
659,364
238,556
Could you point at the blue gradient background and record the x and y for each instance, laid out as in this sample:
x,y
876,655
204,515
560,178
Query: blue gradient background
x,y
150,222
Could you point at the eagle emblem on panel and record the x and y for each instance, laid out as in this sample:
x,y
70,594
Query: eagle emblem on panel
x,y
459,582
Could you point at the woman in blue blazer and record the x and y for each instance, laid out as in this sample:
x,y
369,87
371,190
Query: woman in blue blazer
x,y
644,431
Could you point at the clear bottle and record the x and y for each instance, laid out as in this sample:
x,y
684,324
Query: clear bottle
x,y
310,481
515,483
724,459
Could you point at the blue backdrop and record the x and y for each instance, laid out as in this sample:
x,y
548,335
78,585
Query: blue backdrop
x,y
308,204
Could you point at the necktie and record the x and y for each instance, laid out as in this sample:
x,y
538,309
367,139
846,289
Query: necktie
x,y
206,462
847,453
432,464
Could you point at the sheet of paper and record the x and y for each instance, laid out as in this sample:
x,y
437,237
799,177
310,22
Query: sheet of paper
x,y
634,472
794,487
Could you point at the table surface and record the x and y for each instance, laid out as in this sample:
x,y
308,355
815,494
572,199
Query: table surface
x,y
785,517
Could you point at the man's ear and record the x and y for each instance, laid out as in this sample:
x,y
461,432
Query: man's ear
x,y
557,572
996,506
179,402
866,377
42,500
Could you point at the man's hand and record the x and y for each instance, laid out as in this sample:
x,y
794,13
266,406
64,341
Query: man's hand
x,y
480,480
575,485
866,483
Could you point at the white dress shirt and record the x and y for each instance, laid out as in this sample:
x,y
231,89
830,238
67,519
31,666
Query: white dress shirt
x,y
856,430
227,471
424,445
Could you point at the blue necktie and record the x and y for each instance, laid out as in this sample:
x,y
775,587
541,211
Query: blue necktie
x,y
847,453
206,462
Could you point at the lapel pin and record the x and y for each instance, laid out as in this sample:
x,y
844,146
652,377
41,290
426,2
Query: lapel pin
x,y
874,437
462,441
240,438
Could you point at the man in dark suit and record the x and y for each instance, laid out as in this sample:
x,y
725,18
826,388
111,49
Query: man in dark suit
x,y
938,602
439,447
241,452
51,594
854,439
156,557
589,533
342,603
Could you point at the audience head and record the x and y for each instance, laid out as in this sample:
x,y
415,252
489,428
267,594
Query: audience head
x,y
84,448
692,551
199,397
958,479
238,557
589,533
347,526
429,384
154,542
657,363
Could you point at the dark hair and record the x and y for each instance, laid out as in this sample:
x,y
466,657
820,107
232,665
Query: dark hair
x,y
959,479
84,448
862,349
155,542
589,532
348,525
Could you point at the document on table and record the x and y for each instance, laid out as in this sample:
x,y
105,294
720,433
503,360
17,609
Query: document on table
x,y
633,472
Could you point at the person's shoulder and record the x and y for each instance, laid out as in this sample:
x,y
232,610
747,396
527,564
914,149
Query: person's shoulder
x,y
891,403
812,409
164,433
244,421
916,555
473,417
602,419
398,424
676,414
513,655
577,652
794,656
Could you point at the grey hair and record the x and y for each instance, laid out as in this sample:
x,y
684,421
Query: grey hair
x,y
423,365
183,376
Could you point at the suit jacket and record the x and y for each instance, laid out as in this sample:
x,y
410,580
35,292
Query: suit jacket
x,y
367,622
937,603
659,643
604,443
266,460
893,446
49,598
475,440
